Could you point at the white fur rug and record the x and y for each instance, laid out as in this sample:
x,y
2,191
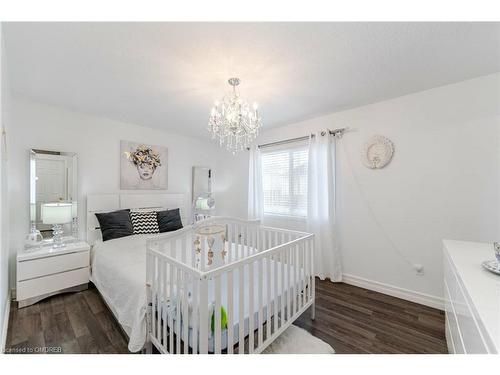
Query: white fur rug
x,y
296,340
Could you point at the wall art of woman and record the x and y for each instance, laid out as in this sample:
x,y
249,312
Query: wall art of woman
x,y
145,160
143,166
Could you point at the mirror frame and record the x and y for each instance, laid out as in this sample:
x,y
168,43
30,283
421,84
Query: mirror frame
x,y
33,214
200,168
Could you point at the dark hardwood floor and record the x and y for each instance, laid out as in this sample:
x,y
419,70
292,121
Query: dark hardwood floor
x,y
68,323
357,320
350,319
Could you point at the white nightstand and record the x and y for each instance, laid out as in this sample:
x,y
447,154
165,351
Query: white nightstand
x,y
47,271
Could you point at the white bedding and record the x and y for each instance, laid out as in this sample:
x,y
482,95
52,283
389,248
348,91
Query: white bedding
x,y
119,272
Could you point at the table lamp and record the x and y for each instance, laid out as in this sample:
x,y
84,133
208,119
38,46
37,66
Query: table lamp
x,y
57,214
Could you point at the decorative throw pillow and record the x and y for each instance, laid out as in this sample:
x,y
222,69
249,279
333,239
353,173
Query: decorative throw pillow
x,y
115,224
144,222
169,220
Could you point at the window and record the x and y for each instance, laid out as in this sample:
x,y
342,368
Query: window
x,y
284,180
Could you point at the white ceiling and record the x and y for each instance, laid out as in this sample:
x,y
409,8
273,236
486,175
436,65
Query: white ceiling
x,y
167,75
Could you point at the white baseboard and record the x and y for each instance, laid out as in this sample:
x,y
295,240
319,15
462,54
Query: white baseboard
x,y
5,324
391,290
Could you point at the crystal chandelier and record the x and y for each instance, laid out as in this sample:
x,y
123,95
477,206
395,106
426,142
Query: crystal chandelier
x,y
233,121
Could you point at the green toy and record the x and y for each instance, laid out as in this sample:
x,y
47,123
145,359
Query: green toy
x,y
223,319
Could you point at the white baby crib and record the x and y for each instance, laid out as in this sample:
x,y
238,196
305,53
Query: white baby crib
x,y
226,285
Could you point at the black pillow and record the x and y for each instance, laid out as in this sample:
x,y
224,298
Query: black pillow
x,y
115,224
169,220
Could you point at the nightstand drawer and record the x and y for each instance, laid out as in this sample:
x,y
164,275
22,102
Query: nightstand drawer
x,y
30,269
48,284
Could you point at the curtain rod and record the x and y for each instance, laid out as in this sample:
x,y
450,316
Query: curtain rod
x,y
334,132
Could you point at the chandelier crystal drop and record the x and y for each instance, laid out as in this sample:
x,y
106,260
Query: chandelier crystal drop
x,y
233,121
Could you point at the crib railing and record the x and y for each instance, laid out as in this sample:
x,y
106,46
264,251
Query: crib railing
x,y
265,283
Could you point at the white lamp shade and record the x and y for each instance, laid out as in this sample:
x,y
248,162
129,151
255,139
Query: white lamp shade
x,y
57,213
74,209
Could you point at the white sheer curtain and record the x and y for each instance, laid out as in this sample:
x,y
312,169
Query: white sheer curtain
x,y
321,213
255,192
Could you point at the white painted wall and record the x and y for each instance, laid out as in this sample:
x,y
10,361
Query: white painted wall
x,y
4,222
442,183
97,143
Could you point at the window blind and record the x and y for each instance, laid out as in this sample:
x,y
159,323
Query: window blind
x,y
284,179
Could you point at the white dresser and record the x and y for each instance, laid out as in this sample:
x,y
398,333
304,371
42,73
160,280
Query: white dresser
x,y
472,298
48,271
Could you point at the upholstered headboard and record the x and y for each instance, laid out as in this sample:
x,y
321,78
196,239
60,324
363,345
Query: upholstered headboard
x,y
112,202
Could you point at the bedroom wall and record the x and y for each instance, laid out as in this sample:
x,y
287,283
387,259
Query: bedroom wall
x,y
4,246
442,183
97,142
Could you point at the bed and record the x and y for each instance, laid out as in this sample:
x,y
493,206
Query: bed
x,y
164,293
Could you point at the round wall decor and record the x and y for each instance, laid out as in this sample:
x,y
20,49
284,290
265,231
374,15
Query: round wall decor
x,y
377,152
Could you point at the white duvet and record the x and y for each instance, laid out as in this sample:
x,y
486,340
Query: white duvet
x,y
119,272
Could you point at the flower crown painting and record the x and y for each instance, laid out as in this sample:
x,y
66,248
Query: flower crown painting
x,y
143,166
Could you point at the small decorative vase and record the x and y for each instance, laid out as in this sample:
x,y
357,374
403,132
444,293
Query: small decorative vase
x,y
34,238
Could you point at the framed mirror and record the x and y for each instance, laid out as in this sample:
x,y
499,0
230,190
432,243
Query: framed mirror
x,y
203,201
53,179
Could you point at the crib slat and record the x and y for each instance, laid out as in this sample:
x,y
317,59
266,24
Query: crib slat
x,y
302,271
241,310
268,296
260,277
292,275
253,239
182,249
263,240
173,248
163,307
289,281
239,240
242,241
313,278
244,250
229,311
154,307
166,298
230,240
203,313
194,320
178,312
308,273
234,240
283,289
217,321
251,309
185,313
275,285
257,240
296,279
190,249
171,298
